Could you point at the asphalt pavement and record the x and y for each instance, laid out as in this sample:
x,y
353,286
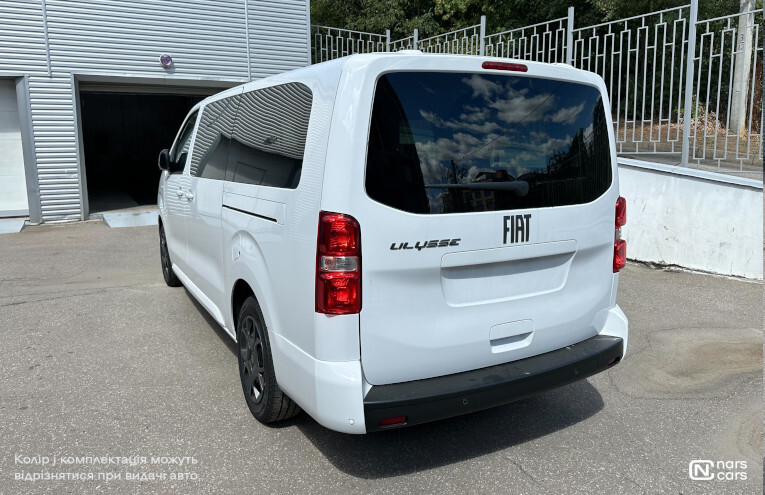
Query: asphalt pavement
x,y
110,374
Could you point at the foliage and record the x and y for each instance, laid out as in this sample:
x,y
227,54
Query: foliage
x,y
433,17
375,16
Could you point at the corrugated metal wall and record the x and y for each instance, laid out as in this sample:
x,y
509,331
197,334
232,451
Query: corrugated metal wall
x,y
278,36
206,38
22,42
53,131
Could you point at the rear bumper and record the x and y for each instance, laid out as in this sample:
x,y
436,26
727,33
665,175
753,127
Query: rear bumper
x,y
446,396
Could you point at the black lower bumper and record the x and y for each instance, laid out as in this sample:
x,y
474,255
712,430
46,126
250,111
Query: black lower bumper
x,y
446,396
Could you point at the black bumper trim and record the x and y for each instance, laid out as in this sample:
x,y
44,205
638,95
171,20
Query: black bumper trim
x,y
446,396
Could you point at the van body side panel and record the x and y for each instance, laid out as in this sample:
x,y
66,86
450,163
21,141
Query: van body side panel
x,y
277,226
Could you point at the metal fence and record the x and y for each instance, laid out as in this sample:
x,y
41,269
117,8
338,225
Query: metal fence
x,y
328,43
682,91
642,61
404,43
543,42
467,41
726,124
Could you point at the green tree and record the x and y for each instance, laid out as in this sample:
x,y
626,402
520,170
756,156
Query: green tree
x,y
375,16
433,17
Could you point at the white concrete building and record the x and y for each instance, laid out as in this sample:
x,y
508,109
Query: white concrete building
x,y
86,104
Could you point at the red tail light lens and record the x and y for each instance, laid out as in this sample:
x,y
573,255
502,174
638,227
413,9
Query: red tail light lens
x,y
620,245
338,265
338,293
338,235
505,66
620,254
621,212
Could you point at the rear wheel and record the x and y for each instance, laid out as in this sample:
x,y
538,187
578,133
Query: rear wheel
x,y
171,278
264,397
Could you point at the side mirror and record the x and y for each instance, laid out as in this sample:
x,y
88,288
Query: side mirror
x,y
164,160
177,167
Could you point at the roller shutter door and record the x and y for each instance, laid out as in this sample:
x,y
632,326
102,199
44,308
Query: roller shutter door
x,y
13,188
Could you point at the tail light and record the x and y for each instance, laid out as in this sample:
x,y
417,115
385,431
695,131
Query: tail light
x,y
505,66
620,245
621,212
338,265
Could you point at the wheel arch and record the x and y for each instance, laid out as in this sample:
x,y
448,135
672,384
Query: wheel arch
x,y
240,292
247,275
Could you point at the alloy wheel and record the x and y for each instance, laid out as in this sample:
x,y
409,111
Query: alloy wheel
x,y
252,362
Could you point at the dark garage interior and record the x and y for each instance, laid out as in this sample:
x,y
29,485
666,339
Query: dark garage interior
x,y
123,134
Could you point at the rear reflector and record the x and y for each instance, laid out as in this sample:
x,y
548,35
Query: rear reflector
x,y
505,66
395,420
338,265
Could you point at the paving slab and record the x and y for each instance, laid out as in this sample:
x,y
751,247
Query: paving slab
x,y
131,218
11,225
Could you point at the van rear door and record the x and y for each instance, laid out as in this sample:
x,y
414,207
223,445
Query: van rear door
x,y
487,223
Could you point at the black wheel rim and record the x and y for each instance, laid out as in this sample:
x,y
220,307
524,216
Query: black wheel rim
x,y
252,362
163,254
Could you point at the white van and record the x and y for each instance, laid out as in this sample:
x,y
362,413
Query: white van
x,y
399,238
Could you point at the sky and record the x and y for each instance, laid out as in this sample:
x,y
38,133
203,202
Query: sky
x,y
486,122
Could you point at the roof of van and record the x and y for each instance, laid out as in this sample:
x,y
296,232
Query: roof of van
x,y
405,57
443,60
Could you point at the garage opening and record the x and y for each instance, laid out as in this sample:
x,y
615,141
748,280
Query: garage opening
x,y
122,135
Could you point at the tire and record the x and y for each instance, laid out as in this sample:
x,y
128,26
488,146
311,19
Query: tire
x,y
265,399
171,278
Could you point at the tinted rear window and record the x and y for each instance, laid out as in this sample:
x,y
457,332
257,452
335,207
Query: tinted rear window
x,y
465,142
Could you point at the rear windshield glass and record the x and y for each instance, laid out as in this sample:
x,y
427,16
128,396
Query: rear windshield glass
x,y
466,142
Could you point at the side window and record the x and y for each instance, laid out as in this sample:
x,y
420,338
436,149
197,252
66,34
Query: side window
x,y
211,147
180,150
269,137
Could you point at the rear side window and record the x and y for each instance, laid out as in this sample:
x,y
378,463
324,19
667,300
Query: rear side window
x,y
268,143
213,139
467,142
